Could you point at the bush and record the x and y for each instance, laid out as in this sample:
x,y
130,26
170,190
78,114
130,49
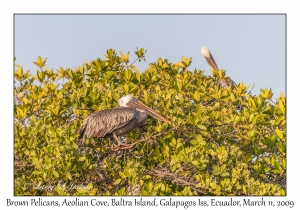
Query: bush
x,y
221,141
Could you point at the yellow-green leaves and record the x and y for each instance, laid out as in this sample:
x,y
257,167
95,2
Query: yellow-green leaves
x,y
196,96
68,176
252,103
124,58
55,173
266,93
118,181
279,133
21,112
177,85
40,75
133,67
129,88
19,75
55,111
82,158
217,170
281,106
211,147
110,54
219,74
36,93
61,73
127,74
180,64
40,62
141,54
185,62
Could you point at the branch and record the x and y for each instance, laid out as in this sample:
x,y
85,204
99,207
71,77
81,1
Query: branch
x,y
132,63
90,109
251,89
175,179
129,146
105,179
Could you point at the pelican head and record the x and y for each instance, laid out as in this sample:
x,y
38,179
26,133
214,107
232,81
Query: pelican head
x,y
125,99
130,101
205,52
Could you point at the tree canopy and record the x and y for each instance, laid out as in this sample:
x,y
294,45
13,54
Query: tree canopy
x,y
221,141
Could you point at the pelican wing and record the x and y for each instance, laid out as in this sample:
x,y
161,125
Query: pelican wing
x,y
101,123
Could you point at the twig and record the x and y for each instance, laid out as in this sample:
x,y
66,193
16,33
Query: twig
x,y
129,146
251,89
174,178
90,109
132,63
104,178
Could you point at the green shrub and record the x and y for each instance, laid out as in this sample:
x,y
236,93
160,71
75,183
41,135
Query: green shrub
x,y
210,148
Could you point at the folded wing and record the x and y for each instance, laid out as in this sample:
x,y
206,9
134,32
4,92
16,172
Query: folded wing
x,y
101,123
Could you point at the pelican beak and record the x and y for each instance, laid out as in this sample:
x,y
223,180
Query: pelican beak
x,y
139,105
212,63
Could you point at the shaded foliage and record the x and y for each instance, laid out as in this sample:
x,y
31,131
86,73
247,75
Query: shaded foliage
x,y
211,147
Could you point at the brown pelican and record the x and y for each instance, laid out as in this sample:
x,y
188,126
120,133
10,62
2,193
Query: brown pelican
x,y
115,122
224,82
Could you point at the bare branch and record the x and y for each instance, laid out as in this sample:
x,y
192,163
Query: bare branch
x,y
175,178
129,146
251,89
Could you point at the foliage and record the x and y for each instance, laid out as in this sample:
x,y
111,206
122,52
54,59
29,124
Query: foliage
x,y
221,141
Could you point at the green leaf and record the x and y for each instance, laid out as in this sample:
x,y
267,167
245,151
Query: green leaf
x,y
40,62
279,133
280,147
196,96
56,174
82,159
194,142
126,88
179,64
124,58
38,172
138,77
35,160
195,163
134,68
118,181
68,176
216,170
127,74
281,106
244,189
202,127
224,174
252,103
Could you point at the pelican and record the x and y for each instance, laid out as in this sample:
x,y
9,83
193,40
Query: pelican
x,y
209,58
115,122
224,82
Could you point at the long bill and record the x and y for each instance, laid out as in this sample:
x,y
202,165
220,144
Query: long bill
x,y
139,105
212,63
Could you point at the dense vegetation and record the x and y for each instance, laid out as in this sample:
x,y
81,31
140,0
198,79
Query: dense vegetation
x,y
221,141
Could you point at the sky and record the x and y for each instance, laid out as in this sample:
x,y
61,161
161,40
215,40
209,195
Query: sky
x,y
251,48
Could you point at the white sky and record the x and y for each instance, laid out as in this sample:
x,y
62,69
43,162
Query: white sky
x,y
250,47
71,42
